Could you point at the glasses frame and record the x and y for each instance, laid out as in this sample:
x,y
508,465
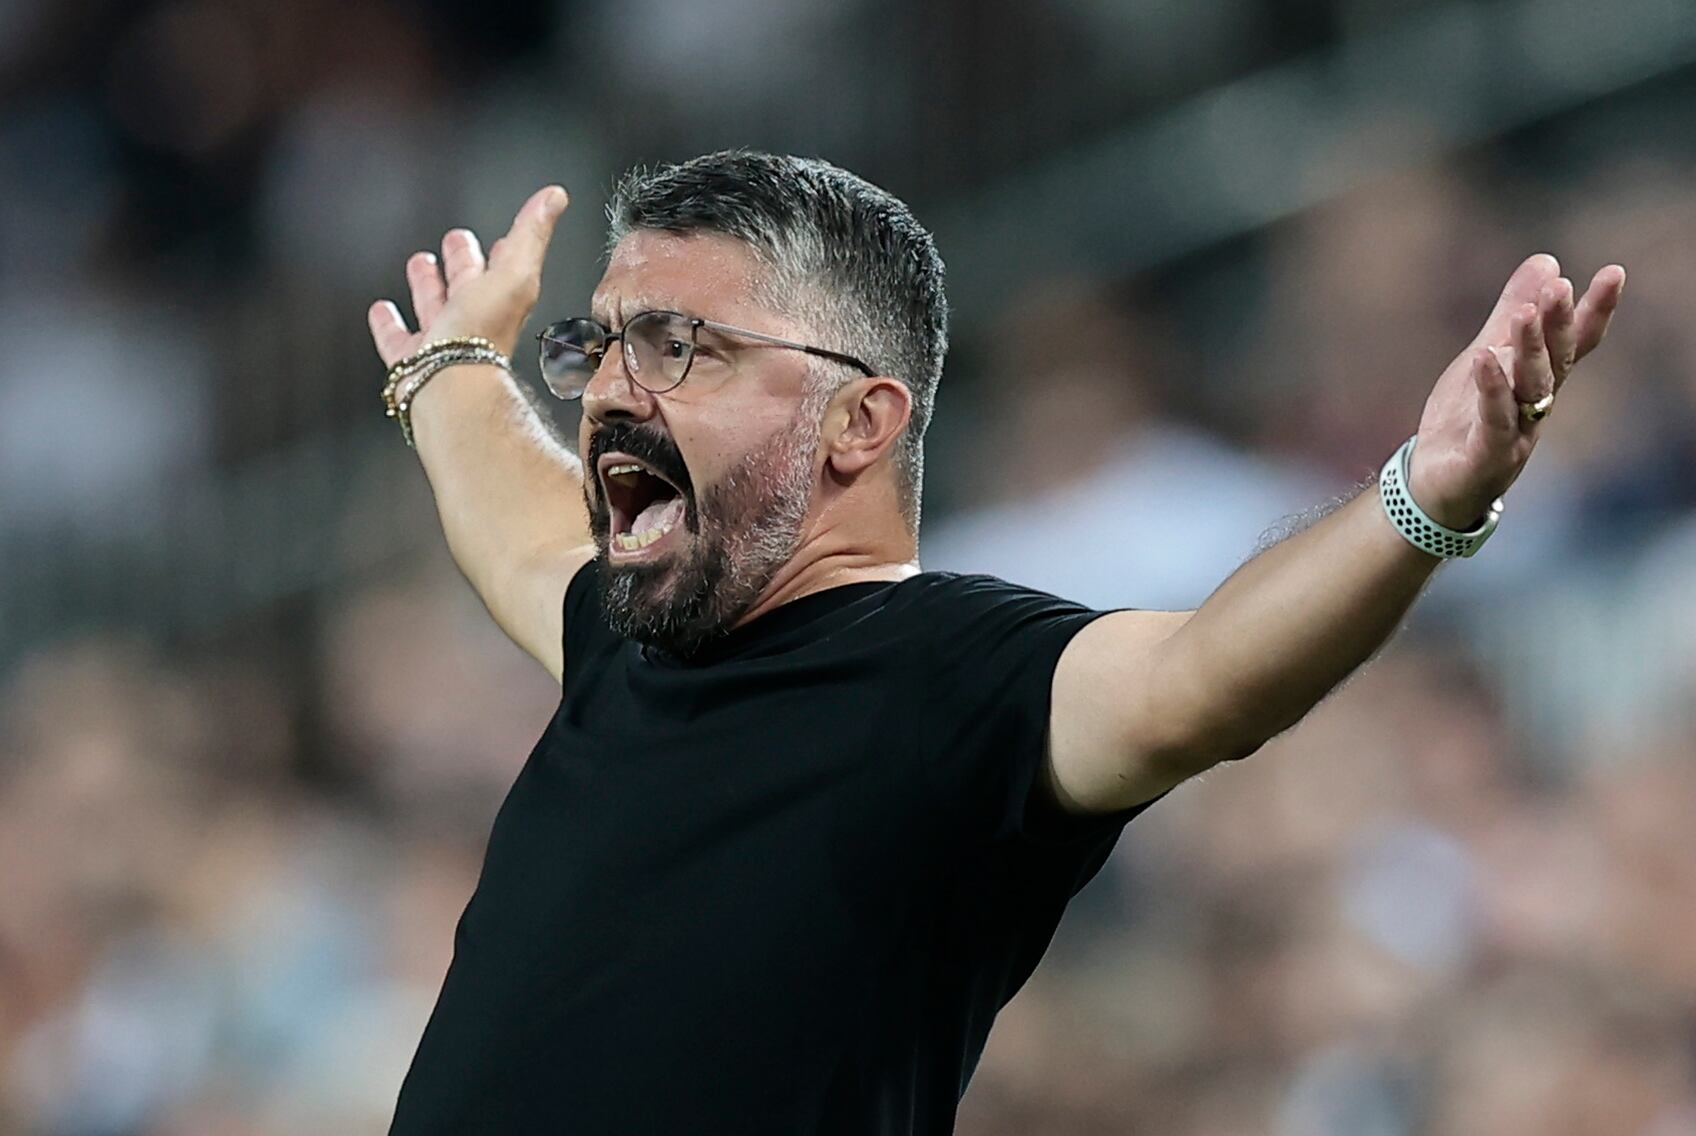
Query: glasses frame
x,y
696,323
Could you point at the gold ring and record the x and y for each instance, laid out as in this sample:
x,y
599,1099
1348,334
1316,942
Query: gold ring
x,y
1539,410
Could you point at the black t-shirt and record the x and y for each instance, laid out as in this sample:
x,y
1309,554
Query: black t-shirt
x,y
782,887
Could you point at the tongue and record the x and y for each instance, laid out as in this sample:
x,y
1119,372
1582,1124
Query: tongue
x,y
657,515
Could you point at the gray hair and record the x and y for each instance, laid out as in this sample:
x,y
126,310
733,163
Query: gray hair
x,y
843,257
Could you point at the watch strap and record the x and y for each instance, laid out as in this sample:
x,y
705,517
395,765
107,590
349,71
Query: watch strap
x,y
1416,525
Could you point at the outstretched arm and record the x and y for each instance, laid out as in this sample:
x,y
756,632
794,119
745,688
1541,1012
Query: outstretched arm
x,y
510,497
1144,700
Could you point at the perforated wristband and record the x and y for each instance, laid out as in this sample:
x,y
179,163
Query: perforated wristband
x,y
1411,521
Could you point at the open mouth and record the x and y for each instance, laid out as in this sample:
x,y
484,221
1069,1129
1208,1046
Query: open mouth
x,y
644,506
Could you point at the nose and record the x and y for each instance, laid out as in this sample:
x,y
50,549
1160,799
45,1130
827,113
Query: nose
x,y
611,393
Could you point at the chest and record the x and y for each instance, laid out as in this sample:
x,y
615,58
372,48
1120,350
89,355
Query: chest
x,y
744,833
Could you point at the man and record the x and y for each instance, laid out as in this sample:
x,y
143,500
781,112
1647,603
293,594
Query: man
x,y
807,816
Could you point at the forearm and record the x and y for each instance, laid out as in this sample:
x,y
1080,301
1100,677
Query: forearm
x,y
1289,625
1142,704
503,485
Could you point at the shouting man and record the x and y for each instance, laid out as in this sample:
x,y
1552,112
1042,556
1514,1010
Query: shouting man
x,y
807,816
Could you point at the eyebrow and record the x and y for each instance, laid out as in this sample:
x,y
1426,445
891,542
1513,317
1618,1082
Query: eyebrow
x,y
634,305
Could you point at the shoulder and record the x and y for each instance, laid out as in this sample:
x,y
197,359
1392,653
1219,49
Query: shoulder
x,y
960,601
971,623
975,594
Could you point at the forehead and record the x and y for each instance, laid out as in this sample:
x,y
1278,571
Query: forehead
x,y
705,274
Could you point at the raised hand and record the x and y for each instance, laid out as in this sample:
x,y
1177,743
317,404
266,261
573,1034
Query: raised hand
x,y
1473,438
489,297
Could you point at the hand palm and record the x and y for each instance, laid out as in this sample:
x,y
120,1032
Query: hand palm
x,y
467,294
1473,441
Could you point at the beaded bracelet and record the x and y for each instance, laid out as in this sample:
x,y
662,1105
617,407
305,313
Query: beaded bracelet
x,y
413,361
423,365
428,349
424,354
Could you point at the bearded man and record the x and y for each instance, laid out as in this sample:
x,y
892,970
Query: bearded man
x,y
807,816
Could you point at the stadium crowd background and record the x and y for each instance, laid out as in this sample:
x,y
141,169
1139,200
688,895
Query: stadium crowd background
x,y
1207,259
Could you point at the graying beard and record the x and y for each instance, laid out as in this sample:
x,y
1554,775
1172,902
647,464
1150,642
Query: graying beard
x,y
758,551
720,586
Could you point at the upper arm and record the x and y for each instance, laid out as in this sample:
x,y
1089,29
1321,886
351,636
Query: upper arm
x,y
1115,738
529,600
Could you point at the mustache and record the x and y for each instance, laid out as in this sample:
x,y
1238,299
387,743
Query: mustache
x,y
647,446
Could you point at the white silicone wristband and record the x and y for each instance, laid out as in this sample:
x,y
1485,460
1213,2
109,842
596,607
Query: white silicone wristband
x,y
1411,521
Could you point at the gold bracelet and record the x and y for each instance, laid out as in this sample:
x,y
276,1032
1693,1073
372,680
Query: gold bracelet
x,y
399,406
418,356
406,389
424,354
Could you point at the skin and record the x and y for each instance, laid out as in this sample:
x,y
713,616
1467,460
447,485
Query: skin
x,y
739,394
1141,700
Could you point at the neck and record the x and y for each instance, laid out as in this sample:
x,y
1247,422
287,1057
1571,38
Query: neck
x,y
824,561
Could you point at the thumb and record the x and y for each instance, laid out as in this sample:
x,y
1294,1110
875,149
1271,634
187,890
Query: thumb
x,y
526,243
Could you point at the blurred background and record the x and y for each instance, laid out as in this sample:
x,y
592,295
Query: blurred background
x,y
1206,257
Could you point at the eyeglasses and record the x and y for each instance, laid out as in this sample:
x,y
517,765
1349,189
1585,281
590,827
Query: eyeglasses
x,y
659,347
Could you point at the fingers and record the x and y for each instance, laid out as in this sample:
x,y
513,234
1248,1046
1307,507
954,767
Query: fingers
x,y
388,331
1596,310
1496,406
428,291
1526,359
1560,330
1528,279
1544,331
462,256
431,281
526,243
1523,287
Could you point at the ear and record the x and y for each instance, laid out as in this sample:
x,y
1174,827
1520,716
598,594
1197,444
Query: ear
x,y
863,421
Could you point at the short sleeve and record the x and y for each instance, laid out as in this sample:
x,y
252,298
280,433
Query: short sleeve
x,y
992,650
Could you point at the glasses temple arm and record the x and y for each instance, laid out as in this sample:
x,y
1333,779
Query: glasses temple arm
x,y
838,357
808,348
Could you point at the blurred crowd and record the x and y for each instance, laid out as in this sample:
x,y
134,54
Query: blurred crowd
x,y
1460,898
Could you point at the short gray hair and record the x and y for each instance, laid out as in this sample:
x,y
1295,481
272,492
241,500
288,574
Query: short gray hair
x,y
844,257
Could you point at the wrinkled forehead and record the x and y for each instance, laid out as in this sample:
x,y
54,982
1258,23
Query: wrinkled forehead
x,y
699,274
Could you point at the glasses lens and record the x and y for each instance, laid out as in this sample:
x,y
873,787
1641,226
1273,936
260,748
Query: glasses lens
x,y
570,352
658,347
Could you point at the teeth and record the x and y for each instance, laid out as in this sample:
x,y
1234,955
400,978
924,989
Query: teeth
x,y
630,542
623,469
